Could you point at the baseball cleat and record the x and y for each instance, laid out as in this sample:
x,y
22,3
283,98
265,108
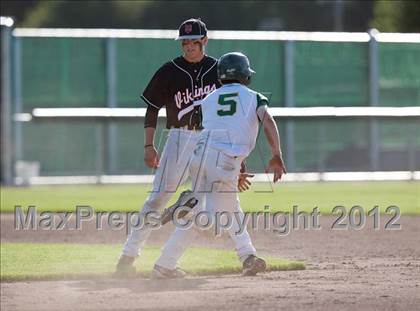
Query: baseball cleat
x,y
160,272
253,265
125,268
186,199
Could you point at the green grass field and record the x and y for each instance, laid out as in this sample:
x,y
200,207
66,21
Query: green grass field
x,y
282,197
22,261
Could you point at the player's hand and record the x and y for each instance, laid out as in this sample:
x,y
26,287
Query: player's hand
x,y
276,165
244,182
151,157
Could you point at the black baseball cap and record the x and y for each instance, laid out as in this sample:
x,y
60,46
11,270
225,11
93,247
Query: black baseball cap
x,y
192,28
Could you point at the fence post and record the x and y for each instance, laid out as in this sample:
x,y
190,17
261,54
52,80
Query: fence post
x,y
6,102
411,154
289,100
17,96
111,83
101,145
322,139
374,148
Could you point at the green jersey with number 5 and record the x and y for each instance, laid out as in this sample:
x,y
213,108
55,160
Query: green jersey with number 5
x,y
230,117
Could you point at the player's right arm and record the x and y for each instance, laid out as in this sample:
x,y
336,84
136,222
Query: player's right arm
x,y
151,156
154,96
276,163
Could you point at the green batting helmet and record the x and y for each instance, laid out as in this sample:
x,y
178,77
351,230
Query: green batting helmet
x,y
234,66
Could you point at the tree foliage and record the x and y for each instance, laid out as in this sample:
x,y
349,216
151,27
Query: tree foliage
x,y
397,16
305,15
302,15
16,8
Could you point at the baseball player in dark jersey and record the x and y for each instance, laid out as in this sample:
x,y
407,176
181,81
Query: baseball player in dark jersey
x,y
175,86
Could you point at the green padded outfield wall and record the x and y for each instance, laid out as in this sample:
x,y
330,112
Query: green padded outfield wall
x,y
63,72
71,72
399,74
331,74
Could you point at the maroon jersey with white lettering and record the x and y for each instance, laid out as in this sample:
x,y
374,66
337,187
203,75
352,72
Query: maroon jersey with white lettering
x,y
177,84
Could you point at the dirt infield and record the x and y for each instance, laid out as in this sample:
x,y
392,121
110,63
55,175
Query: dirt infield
x,y
346,270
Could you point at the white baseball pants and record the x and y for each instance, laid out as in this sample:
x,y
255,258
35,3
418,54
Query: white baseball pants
x,y
171,173
214,177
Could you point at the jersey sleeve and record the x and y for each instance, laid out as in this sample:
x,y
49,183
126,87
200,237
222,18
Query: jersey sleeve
x,y
261,100
155,94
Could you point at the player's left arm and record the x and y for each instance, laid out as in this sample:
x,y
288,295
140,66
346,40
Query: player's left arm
x,y
276,163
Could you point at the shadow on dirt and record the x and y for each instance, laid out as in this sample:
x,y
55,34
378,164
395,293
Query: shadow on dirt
x,y
139,285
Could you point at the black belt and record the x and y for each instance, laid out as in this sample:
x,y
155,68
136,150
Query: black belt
x,y
188,127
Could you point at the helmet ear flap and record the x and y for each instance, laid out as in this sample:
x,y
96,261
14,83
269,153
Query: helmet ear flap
x,y
246,81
